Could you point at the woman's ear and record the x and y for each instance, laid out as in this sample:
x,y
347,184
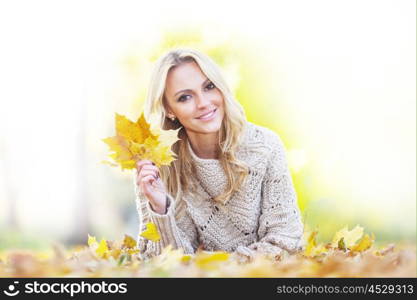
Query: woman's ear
x,y
169,112
171,117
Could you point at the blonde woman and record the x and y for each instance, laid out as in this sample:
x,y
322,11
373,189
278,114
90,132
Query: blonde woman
x,y
230,188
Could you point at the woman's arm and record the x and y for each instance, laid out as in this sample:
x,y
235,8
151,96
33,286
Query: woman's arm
x,y
176,228
280,224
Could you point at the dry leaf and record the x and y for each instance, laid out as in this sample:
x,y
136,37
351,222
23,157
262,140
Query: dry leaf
x,y
129,242
312,249
102,250
91,241
208,260
349,237
151,232
364,244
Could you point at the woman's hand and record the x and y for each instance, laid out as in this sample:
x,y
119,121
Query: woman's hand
x,y
151,185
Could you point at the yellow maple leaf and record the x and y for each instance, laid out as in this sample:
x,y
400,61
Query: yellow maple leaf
x,y
115,253
137,140
209,260
349,237
102,250
129,242
151,232
364,243
166,137
161,154
186,258
128,164
136,132
312,249
91,241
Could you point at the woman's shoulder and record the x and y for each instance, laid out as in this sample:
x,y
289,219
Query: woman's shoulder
x,y
261,146
259,136
258,147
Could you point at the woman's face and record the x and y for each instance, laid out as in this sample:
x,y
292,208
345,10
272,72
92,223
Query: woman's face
x,y
193,99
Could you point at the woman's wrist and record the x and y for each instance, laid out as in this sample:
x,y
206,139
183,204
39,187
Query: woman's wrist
x,y
162,210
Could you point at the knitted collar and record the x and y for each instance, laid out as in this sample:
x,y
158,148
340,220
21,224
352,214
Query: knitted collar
x,y
201,161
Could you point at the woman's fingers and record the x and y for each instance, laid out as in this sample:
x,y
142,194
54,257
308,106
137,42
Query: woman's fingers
x,y
147,170
146,187
143,162
144,173
148,179
150,168
147,182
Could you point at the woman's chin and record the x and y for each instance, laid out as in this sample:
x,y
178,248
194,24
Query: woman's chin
x,y
211,127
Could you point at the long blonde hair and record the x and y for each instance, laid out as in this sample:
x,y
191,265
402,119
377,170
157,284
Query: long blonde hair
x,y
175,176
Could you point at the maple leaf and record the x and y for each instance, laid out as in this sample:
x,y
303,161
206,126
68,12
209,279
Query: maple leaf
x,y
208,260
115,253
137,141
91,240
136,132
129,242
186,258
102,250
349,237
312,249
341,244
151,232
364,243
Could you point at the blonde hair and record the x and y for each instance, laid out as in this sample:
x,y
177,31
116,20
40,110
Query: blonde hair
x,y
175,176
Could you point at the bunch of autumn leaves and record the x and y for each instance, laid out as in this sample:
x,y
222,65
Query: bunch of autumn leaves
x,y
136,141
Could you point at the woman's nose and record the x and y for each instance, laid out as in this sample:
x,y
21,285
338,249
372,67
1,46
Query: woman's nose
x,y
202,100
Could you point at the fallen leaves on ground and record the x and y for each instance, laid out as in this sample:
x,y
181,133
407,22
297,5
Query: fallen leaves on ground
x,y
151,232
349,254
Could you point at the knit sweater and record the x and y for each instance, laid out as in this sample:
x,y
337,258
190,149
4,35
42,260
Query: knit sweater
x,y
262,217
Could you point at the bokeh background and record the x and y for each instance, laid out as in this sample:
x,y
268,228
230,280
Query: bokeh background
x,y
335,79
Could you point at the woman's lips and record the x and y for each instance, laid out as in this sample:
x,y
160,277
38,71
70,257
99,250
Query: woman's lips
x,y
208,116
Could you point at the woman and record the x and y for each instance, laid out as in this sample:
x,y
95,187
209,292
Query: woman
x,y
230,188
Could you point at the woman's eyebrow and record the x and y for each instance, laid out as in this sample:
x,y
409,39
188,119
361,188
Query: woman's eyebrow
x,y
188,90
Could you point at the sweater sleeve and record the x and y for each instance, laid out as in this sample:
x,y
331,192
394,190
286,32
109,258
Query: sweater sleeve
x,y
280,224
176,228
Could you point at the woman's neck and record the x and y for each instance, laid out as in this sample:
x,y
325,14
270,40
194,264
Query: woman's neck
x,y
205,146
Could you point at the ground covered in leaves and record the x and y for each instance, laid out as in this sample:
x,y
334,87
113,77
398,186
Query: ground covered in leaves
x,y
349,254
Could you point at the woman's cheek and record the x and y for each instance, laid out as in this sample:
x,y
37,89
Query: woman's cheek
x,y
187,114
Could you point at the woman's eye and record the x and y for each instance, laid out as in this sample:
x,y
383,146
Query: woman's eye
x,y
210,86
183,98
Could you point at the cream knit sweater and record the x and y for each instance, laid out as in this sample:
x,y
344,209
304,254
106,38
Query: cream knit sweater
x,y
261,218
